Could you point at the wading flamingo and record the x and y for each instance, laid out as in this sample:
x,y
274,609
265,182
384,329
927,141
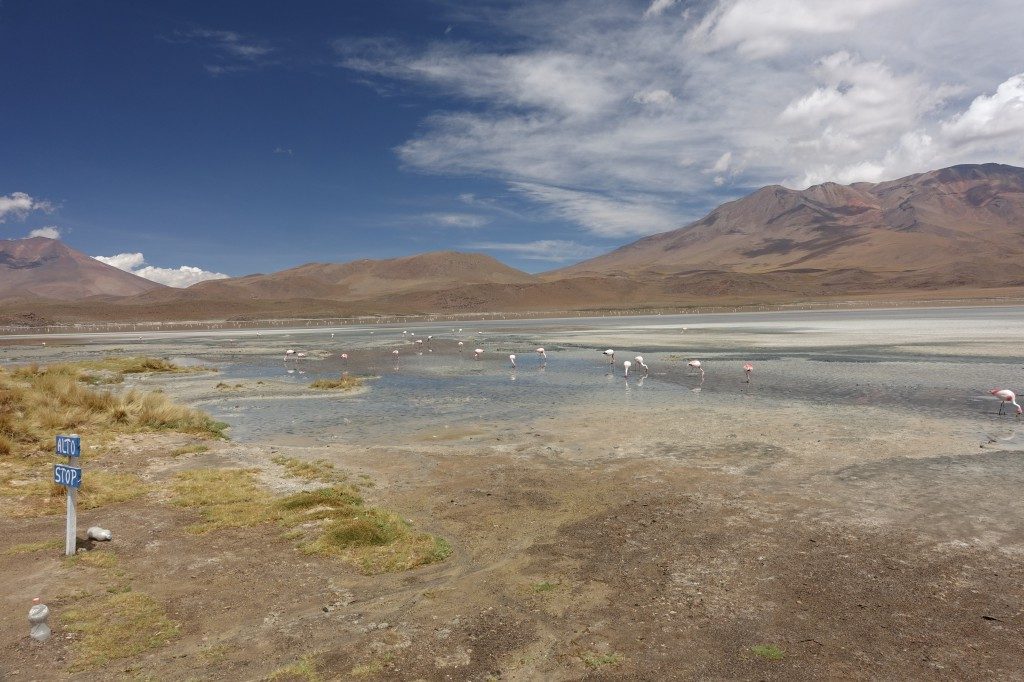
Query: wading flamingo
x,y
640,361
747,369
344,356
1005,395
477,352
696,365
542,354
288,353
626,364
461,344
512,359
611,355
300,355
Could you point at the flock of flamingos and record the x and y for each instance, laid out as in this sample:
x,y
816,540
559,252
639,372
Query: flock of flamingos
x,y
1004,395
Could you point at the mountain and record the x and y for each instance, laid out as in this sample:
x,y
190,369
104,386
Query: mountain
x,y
43,268
957,226
364,279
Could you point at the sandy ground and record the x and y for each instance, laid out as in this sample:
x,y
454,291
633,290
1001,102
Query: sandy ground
x,y
590,542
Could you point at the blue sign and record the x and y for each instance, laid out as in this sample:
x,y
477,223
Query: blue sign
x,y
67,475
69,446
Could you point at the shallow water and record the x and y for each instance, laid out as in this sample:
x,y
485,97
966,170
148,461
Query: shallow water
x,y
937,362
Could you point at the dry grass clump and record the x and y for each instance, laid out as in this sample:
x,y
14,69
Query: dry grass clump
x,y
119,626
29,490
309,470
330,521
38,402
342,383
226,498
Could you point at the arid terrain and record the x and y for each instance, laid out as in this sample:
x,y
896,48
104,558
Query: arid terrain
x,y
814,523
864,242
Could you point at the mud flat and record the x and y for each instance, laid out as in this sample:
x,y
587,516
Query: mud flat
x,y
853,512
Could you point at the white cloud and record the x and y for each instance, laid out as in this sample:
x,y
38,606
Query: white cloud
x,y
662,98
627,125
459,220
550,250
50,232
18,205
657,7
183,276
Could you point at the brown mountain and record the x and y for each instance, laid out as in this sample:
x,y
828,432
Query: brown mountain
x,y
962,225
365,279
38,267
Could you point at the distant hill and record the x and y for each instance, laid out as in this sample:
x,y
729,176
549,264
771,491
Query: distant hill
x,y
38,267
947,233
957,226
364,279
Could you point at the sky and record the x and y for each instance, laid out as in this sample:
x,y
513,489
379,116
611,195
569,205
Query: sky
x,y
188,140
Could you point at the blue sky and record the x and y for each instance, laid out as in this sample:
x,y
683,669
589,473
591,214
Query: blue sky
x,y
236,137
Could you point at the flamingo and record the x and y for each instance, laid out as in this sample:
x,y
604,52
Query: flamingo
x,y
696,365
626,364
461,344
640,361
477,352
747,369
542,354
288,353
300,355
344,356
1005,395
512,359
611,355
332,335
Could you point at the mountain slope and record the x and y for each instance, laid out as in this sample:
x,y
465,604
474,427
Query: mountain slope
x,y
963,224
38,267
364,279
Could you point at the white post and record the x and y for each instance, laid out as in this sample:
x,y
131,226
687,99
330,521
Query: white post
x,y
71,537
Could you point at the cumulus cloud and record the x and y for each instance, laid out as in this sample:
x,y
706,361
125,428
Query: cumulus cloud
x,y
549,250
50,232
183,276
627,124
459,220
18,205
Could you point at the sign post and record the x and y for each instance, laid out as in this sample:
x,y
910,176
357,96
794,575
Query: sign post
x,y
71,478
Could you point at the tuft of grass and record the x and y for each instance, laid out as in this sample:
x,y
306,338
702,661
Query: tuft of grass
x,y
137,364
117,626
27,490
372,667
226,498
94,559
329,521
32,547
309,470
596,660
342,383
768,651
544,586
305,668
190,450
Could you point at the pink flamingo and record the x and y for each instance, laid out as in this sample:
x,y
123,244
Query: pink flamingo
x,y
611,355
542,354
477,352
344,356
461,344
747,369
1005,395
696,365
512,359
640,361
626,364
288,353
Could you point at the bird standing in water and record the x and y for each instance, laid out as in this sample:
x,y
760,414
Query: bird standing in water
x,y
626,364
611,355
640,361
747,369
542,354
1005,395
696,365
512,359
477,352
